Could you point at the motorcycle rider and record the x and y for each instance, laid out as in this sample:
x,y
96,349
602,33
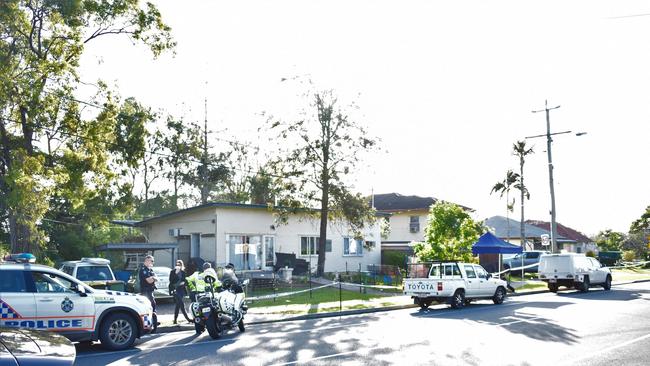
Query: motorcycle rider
x,y
229,278
196,282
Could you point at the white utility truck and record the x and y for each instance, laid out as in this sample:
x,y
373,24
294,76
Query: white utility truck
x,y
455,283
573,270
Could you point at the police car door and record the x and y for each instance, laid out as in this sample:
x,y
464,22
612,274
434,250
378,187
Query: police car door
x,y
16,300
60,308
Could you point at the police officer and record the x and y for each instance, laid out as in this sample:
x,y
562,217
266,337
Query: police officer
x,y
148,281
229,278
196,282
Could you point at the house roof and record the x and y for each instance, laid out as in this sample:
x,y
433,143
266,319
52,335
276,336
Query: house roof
x,y
397,202
565,231
222,205
509,228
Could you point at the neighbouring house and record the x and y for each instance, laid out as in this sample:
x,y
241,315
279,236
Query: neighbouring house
x,y
510,231
409,215
582,244
249,236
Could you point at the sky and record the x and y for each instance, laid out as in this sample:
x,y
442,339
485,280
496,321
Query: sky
x,y
446,86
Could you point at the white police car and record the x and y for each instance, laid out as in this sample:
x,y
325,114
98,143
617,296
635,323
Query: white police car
x,y
40,297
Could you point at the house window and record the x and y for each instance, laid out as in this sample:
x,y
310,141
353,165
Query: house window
x,y
309,245
352,246
414,225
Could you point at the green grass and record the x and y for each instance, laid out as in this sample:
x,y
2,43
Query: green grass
x,y
532,286
327,294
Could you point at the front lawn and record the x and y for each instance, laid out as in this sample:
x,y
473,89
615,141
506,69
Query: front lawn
x,y
327,294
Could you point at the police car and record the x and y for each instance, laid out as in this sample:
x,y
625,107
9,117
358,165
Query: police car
x,y
40,297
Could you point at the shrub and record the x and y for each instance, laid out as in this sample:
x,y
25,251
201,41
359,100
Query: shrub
x,y
591,253
629,255
394,258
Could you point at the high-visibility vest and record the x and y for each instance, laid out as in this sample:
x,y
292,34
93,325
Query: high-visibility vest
x,y
196,282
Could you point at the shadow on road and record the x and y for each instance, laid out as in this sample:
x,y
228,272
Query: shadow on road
x,y
529,325
613,295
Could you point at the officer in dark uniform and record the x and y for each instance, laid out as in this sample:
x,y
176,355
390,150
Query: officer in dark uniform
x,y
148,280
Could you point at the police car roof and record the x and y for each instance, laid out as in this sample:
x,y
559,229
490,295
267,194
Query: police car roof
x,y
23,266
89,261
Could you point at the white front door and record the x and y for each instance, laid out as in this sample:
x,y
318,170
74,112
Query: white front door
x,y
60,308
16,300
473,285
269,252
487,287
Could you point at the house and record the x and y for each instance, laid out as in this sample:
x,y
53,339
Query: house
x,y
510,231
582,244
249,235
409,215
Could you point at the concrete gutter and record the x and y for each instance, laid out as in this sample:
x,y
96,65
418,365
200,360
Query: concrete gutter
x,y
186,327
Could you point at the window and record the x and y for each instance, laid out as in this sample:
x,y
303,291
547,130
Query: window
x,y
352,246
309,245
435,271
67,270
46,282
470,272
94,273
414,225
369,244
532,255
481,272
13,281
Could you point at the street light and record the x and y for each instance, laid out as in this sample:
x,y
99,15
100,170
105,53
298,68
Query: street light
x,y
549,140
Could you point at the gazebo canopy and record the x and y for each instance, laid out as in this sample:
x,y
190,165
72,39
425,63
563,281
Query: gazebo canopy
x,y
490,244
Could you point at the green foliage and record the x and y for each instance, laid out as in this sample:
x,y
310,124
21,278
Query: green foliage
x,y
591,253
629,255
450,234
504,187
609,240
394,258
642,223
54,165
636,242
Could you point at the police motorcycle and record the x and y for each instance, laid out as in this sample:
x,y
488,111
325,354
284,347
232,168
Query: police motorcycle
x,y
219,311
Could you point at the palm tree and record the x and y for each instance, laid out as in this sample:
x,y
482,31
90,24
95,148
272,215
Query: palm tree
x,y
504,187
520,149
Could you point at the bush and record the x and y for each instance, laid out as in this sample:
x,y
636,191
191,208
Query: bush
x,y
591,253
394,258
629,255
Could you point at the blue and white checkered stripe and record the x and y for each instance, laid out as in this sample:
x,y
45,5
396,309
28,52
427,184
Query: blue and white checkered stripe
x,y
6,312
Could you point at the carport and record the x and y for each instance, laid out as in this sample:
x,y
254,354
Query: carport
x,y
139,247
489,249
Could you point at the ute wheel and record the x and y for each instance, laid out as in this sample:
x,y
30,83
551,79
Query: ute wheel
x,y
552,287
424,304
118,332
585,285
499,295
213,326
608,283
458,300
242,327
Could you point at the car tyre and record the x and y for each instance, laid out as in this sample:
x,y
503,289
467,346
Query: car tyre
x,y
118,332
499,295
553,287
458,300
608,283
213,326
585,285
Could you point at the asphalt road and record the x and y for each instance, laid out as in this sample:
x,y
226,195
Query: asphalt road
x,y
570,328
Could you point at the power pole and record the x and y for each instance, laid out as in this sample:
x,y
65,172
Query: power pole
x,y
204,188
549,140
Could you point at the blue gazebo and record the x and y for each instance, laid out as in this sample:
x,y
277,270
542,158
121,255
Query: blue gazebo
x,y
490,244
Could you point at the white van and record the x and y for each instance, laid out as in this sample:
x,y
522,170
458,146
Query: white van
x,y
573,270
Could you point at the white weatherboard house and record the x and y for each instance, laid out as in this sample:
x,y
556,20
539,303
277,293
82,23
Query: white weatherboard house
x,y
248,236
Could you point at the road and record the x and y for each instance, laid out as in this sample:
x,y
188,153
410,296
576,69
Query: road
x,y
570,328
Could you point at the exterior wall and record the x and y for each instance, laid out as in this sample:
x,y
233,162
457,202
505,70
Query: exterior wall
x,y
400,226
226,222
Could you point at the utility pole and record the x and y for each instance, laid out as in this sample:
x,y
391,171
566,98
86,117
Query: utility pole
x,y
204,187
549,140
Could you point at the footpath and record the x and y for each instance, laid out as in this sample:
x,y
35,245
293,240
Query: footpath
x,y
281,313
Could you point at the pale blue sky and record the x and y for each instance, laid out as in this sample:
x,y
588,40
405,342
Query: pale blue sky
x,y
447,86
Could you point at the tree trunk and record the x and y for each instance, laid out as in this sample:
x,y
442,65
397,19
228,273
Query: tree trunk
x,y
324,211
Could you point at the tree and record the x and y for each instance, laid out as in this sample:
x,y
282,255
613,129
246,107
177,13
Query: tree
x,y
449,235
504,187
642,223
609,240
182,146
636,242
520,150
326,147
41,132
